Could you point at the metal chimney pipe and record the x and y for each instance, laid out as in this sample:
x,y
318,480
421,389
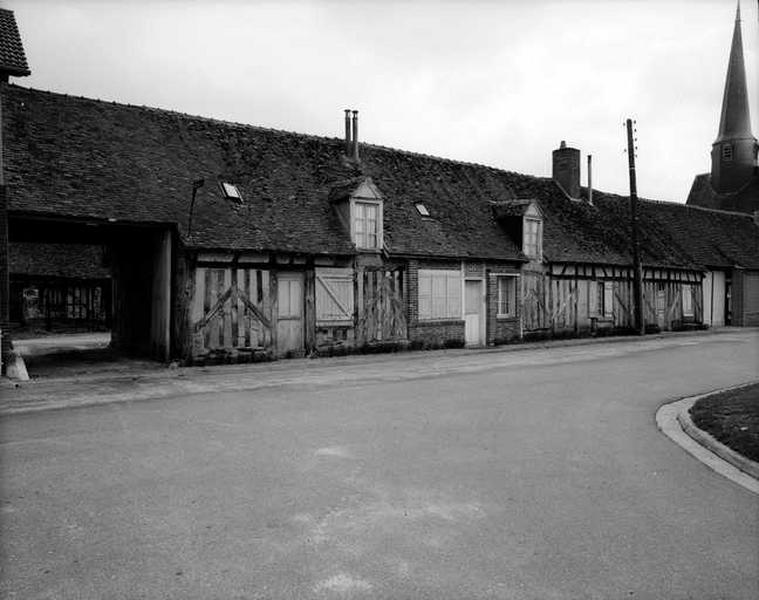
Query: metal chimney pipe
x,y
590,179
347,132
355,135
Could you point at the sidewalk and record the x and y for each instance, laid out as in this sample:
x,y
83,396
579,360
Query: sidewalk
x,y
140,380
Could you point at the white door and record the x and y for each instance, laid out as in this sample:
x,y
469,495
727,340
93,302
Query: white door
x,y
706,290
719,295
473,312
290,313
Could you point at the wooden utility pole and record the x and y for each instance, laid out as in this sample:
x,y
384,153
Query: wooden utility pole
x,y
640,326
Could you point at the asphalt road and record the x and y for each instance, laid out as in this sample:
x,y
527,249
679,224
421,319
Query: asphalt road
x,y
534,474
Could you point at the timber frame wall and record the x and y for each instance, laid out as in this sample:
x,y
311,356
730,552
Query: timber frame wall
x,y
226,306
568,299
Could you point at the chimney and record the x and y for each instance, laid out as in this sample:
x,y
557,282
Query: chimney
x,y
355,135
566,169
590,179
348,144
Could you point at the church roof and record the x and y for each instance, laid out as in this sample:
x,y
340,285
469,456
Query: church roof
x,y
745,200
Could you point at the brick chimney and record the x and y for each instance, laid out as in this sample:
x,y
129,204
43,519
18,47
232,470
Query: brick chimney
x,y
566,169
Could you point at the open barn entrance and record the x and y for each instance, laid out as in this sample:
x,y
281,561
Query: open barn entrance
x,y
94,291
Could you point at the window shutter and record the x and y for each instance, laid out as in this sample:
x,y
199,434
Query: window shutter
x,y
608,298
593,298
334,295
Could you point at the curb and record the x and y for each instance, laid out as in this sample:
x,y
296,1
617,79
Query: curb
x,y
675,422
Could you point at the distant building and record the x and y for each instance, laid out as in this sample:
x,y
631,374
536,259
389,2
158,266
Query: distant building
x,y
733,183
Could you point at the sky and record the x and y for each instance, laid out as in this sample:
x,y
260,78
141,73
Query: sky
x,y
496,83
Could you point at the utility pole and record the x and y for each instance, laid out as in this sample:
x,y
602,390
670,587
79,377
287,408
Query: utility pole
x,y
640,326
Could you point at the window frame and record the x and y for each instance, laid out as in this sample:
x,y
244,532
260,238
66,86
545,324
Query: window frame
x,y
513,278
230,191
727,152
449,281
360,233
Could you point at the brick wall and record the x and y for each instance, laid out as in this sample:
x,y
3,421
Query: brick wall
x,y
450,333
430,334
500,330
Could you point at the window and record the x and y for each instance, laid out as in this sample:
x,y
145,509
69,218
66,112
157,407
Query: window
x,y
687,301
366,225
439,295
230,191
532,243
727,152
507,297
422,210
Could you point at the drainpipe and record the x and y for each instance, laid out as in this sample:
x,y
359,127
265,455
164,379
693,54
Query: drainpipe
x,y
590,179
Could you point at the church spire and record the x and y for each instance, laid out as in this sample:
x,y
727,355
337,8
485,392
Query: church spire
x,y
735,120
734,151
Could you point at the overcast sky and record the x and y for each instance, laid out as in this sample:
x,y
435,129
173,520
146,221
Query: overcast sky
x,y
498,83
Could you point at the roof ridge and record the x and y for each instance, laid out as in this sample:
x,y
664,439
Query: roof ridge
x,y
695,207
177,113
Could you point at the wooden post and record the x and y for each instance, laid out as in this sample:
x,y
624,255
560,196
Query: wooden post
x,y
640,325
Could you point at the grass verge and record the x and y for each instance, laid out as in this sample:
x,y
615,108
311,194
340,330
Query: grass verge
x,y
732,418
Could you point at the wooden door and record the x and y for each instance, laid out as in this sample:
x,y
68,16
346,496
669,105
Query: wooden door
x,y
290,313
473,311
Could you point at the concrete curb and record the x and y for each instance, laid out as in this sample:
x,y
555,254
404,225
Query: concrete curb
x,y
674,421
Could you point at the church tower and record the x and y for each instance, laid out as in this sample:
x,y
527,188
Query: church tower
x,y
734,151
733,183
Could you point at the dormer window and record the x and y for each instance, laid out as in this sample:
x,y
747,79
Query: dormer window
x,y
358,204
532,242
230,191
727,152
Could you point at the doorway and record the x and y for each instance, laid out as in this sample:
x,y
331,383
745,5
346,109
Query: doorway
x,y
474,300
290,313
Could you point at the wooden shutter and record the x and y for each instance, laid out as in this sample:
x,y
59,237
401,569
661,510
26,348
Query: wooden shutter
x,y
608,298
334,296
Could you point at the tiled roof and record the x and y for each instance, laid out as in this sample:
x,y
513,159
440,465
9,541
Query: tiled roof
x,y
712,238
85,158
510,208
12,57
79,261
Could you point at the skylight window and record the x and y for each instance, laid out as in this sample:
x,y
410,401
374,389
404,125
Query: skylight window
x,y
422,210
230,191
